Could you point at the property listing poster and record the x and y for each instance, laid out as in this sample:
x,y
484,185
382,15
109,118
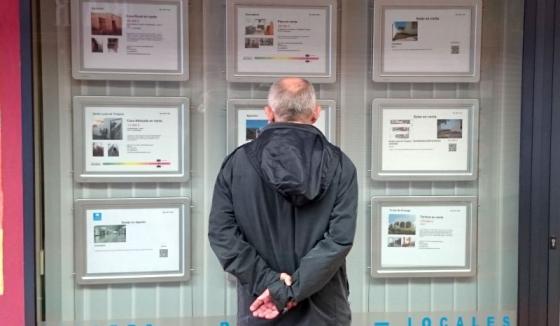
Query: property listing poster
x,y
131,36
425,140
423,236
283,40
133,240
130,139
251,121
438,38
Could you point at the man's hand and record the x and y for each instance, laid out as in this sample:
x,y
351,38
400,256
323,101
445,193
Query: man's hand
x,y
264,307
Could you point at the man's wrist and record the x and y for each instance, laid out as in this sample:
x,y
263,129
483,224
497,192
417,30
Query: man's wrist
x,y
280,294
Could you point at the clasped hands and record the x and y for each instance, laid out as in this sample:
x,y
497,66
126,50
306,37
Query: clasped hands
x,y
264,307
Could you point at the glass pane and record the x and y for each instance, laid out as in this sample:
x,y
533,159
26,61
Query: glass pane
x,y
107,32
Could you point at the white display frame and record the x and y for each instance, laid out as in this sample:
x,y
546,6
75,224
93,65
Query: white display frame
x,y
400,203
257,105
82,251
380,73
79,66
328,75
470,163
85,173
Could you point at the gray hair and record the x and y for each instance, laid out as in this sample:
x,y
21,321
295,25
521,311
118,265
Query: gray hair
x,y
292,98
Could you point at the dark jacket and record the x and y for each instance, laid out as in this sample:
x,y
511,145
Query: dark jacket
x,y
286,202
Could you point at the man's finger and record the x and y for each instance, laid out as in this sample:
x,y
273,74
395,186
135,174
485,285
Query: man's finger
x,y
260,300
256,304
271,312
286,278
266,311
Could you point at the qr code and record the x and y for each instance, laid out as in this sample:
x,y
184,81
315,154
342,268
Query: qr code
x,y
163,253
454,49
452,147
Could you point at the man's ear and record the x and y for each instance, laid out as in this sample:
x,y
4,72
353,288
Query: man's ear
x,y
269,113
316,114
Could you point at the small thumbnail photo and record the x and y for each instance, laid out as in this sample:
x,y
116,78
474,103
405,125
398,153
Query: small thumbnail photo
x,y
400,122
405,31
450,128
113,150
113,45
109,233
106,23
266,41
253,128
107,128
403,224
96,45
259,26
252,43
98,150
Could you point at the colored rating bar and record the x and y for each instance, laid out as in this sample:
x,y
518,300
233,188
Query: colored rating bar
x,y
381,323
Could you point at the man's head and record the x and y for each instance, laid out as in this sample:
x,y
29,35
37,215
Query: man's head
x,y
292,99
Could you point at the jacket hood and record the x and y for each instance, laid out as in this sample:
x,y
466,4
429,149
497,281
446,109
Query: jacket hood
x,y
294,159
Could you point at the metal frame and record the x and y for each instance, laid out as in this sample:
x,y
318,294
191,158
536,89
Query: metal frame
x,y
233,75
378,105
539,265
554,208
32,284
80,230
470,202
234,105
81,174
379,75
79,71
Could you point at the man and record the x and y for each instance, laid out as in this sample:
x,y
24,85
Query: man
x,y
283,217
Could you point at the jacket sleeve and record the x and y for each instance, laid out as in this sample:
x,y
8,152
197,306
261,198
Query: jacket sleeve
x,y
320,264
235,254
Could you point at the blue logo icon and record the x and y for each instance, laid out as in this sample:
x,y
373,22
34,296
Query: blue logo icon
x,y
97,216
224,323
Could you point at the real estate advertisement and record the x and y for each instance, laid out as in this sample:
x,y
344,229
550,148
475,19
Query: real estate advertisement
x,y
425,140
438,38
423,236
251,121
131,36
133,240
132,139
283,40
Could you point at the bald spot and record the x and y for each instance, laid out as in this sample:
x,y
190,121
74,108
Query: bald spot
x,y
293,84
